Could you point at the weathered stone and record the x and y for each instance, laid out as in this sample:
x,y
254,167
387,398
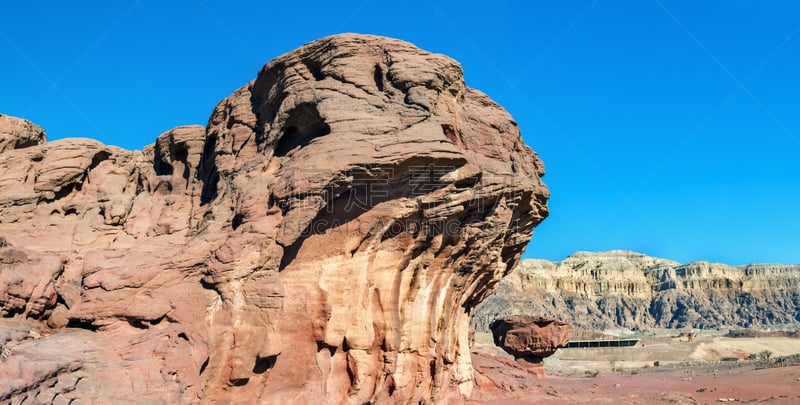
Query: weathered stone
x,y
323,239
530,337
17,133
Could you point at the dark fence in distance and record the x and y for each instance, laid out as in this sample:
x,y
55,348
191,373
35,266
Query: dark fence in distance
x,y
591,344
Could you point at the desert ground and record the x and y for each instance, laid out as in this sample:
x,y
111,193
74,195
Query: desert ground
x,y
666,368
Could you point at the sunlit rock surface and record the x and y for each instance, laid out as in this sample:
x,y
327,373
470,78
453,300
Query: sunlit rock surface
x,y
322,240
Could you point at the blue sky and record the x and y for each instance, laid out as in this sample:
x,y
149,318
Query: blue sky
x,y
667,127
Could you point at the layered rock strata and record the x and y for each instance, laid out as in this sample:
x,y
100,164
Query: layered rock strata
x,y
323,239
631,290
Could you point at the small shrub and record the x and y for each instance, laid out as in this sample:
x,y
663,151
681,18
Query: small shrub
x,y
729,358
765,355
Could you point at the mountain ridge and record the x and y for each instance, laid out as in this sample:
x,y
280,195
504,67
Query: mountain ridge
x,y
621,288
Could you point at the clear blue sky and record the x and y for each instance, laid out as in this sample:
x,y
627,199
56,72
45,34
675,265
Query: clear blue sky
x,y
667,127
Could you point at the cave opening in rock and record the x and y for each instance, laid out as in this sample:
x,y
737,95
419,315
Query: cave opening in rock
x,y
378,77
264,363
303,126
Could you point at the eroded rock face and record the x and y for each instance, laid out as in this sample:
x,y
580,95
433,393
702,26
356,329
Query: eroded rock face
x,y
17,133
598,290
323,239
530,337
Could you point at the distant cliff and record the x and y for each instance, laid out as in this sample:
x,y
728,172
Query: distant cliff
x,y
632,290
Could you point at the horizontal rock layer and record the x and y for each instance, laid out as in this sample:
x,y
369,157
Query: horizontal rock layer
x,y
322,240
631,290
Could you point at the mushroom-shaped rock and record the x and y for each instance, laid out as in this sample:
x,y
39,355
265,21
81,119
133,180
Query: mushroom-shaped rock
x,y
530,337
322,240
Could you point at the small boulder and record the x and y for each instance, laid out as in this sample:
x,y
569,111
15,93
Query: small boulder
x,y
530,337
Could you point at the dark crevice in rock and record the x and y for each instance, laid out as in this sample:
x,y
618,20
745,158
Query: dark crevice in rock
x,y
468,182
351,374
240,382
315,69
13,311
60,300
82,324
290,253
203,366
264,363
160,165
303,125
208,171
98,158
208,286
324,346
65,191
185,174
137,323
237,221
25,143
182,155
264,110
377,75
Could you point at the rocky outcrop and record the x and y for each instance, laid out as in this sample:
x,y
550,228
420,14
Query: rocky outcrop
x,y
529,337
323,239
631,290
17,133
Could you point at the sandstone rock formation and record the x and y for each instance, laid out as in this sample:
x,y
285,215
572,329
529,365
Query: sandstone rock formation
x,y
323,239
631,290
17,133
529,337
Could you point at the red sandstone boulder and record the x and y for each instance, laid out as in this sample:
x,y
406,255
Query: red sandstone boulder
x,y
530,337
